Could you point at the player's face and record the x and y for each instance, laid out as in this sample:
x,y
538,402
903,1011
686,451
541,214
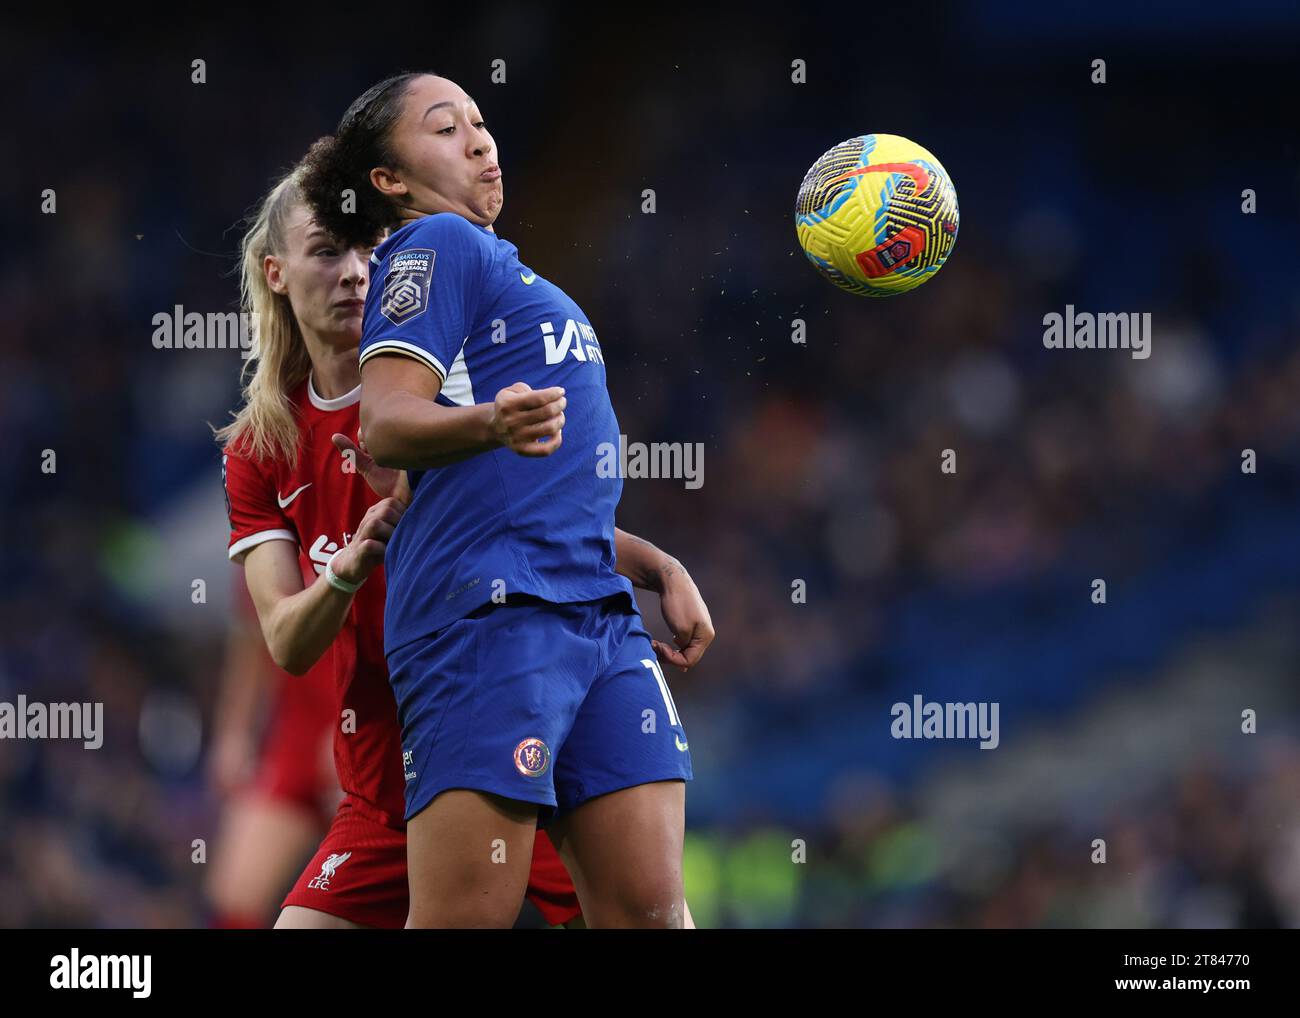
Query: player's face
x,y
447,158
325,283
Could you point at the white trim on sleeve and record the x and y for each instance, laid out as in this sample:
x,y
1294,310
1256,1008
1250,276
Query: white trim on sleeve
x,y
407,350
261,537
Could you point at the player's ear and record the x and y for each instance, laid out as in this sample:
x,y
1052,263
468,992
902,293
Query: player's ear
x,y
386,182
273,267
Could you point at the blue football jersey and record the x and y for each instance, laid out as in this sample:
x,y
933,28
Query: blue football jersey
x,y
454,296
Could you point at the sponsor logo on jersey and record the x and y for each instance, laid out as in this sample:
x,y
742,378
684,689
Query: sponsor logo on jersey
x,y
408,758
328,868
285,502
406,287
322,550
578,340
681,745
532,758
527,277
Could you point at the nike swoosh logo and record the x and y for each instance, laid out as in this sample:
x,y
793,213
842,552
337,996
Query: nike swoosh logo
x,y
683,746
528,279
284,502
918,173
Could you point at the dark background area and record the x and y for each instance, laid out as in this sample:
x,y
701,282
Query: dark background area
x,y
1119,721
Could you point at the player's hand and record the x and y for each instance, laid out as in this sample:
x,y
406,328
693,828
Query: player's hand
x,y
366,549
688,619
386,482
529,421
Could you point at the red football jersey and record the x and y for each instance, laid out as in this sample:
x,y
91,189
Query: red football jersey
x,y
317,506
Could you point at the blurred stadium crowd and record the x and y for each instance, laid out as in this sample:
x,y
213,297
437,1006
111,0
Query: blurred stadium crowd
x,y
821,458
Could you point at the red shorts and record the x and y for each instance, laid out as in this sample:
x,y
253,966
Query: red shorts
x,y
359,874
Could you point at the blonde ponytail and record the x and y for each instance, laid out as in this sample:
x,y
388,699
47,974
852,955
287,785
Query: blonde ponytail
x,y
265,426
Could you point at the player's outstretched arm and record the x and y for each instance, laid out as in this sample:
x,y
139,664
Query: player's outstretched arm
x,y
680,600
404,428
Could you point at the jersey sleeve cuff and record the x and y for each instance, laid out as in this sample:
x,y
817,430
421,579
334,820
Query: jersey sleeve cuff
x,y
261,537
406,350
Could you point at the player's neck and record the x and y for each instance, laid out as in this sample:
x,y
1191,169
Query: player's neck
x,y
411,215
334,372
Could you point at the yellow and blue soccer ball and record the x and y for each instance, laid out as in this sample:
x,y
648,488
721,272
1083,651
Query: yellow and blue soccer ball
x,y
877,215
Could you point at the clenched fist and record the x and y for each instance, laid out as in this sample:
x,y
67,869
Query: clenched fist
x,y
529,421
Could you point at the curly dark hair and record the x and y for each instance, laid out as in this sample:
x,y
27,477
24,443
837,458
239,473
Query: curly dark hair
x,y
344,159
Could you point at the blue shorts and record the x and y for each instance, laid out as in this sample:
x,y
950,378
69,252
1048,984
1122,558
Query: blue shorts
x,y
547,703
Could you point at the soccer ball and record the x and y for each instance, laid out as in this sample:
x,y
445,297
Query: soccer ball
x,y
877,215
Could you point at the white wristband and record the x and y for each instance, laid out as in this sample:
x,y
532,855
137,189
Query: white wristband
x,y
336,581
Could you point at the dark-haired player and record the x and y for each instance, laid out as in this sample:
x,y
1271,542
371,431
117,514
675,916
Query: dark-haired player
x,y
526,683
